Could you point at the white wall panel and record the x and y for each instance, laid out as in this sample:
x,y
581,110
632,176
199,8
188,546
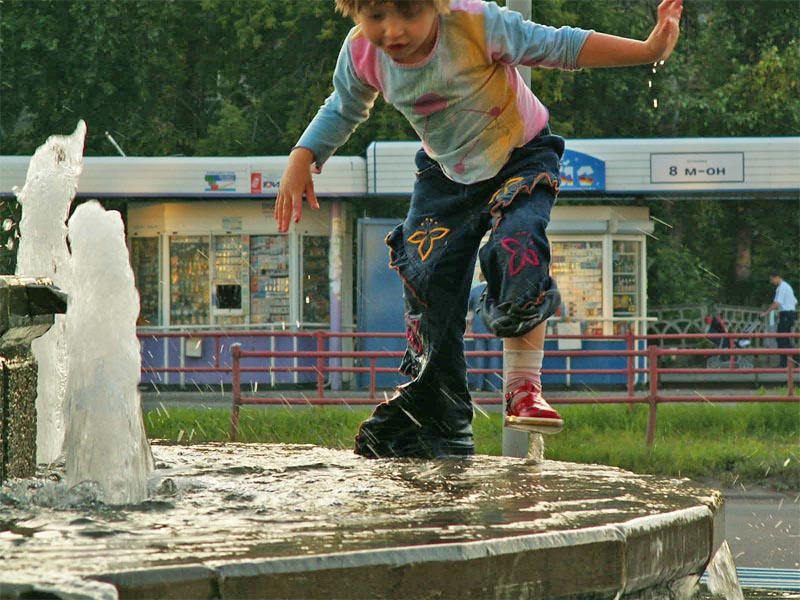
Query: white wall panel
x,y
768,164
254,176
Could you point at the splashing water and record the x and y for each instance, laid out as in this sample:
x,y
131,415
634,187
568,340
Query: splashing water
x,y
105,439
50,186
89,364
722,578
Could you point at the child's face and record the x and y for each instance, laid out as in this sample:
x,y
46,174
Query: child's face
x,y
406,33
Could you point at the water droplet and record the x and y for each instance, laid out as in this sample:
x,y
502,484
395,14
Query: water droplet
x,y
10,244
8,224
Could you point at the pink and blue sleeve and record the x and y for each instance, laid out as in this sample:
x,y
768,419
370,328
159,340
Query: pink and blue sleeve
x,y
344,110
512,40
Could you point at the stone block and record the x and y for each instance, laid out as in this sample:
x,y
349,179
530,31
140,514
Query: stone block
x,y
17,414
27,306
27,309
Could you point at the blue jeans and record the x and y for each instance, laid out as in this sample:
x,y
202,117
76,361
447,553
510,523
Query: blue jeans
x,y
434,251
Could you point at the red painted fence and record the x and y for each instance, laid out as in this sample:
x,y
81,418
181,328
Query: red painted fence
x,y
330,362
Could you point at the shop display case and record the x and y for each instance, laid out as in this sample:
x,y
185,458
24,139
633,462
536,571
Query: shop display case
x,y
603,305
625,267
269,279
144,257
189,282
577,267
316,288
230,279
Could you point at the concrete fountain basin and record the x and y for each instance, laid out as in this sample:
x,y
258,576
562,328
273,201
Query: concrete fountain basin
x,y
292,521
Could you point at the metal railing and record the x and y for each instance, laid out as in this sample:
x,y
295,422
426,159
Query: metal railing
x,y
690,319
640,364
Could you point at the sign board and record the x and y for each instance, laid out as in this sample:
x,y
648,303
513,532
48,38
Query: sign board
x,y
232,223
705,167
264,182
220,181
581,171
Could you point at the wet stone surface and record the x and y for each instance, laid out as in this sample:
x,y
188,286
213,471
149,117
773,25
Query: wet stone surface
x,y
17,413
237,501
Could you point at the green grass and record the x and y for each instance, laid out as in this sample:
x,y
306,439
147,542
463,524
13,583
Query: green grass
x,y
743,444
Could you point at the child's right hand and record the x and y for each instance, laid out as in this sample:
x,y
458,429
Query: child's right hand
x,y
296,182
665,34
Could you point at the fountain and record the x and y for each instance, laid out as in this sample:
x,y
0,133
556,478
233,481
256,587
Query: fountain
x,y
104,439
87,395
297,521
50,186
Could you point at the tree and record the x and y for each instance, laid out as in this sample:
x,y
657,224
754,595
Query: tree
x,y
244,77
136,69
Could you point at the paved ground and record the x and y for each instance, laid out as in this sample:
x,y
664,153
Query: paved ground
x,y
763,530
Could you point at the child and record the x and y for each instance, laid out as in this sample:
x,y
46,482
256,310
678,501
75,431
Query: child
x,y
488,162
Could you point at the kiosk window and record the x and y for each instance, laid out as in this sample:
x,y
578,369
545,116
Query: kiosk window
x,y
316,288
230,275
577,267
229,296
188,272
144,261
269,279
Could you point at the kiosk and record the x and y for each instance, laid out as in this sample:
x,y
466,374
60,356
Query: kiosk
x,y
207,255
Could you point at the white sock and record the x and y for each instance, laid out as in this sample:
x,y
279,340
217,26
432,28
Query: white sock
x,y
521,366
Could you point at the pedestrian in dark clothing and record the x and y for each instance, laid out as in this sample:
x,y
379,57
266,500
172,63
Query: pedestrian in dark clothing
x,y
717,325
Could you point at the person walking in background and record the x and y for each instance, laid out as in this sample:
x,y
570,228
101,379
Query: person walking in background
x,y
717,325
785,302
488,162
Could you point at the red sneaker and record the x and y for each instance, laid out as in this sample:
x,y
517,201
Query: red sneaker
x,y
526,410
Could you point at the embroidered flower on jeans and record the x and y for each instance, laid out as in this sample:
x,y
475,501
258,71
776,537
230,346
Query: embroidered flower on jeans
x,y
412,334
425,237
522,253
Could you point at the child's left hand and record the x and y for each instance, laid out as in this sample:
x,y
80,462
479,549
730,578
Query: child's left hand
x,y
664,36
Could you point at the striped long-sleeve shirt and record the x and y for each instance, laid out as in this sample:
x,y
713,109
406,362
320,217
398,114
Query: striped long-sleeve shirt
x,y
466,100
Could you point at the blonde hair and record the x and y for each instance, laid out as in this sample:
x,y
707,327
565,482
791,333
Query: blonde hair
x,y
350,8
